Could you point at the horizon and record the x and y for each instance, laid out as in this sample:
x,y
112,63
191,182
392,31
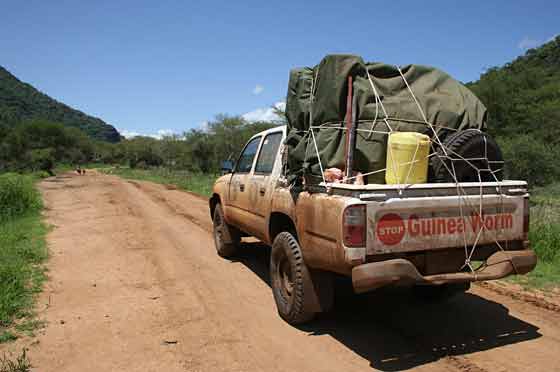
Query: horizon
x,y
167,69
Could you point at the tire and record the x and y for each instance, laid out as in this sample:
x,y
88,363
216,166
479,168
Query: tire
x,y
440,293
467,144
226,237
289,277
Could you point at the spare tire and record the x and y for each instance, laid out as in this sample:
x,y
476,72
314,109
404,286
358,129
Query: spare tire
x,y
467,153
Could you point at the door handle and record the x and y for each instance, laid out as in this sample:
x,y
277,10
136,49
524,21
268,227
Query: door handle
x,y
262,191
241,187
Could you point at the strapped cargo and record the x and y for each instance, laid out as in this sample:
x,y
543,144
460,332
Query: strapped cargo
x,y
385,99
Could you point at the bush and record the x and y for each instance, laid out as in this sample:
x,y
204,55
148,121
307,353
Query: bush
x,y
545,236
40,145
544,232
527,158
17,196
22,249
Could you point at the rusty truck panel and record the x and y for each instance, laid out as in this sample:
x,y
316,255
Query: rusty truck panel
x,y
413,224
319,223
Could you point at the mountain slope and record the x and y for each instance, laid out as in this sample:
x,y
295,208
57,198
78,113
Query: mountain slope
x,y
523,101
20,101
523,96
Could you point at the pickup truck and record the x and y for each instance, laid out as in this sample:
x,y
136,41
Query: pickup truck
x,y
421,235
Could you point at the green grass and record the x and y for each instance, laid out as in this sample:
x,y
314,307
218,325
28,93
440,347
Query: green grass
x,y
198,183
17,195
22,251
544,234
7,336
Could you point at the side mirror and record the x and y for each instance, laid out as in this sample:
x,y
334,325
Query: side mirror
x,y
227,167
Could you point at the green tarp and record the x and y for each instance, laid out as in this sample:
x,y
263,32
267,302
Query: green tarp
x,y
317,100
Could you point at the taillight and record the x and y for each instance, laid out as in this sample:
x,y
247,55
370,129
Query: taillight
x,y
354,226
526,217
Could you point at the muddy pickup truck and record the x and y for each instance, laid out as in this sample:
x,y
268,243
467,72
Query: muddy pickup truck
x,y
422,235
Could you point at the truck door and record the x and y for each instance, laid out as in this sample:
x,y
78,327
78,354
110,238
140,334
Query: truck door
x,y
239,194
263,181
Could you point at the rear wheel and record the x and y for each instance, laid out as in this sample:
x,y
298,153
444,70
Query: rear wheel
x,y
226,237
289,275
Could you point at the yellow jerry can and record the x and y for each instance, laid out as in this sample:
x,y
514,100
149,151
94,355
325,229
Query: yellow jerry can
x,y
407,158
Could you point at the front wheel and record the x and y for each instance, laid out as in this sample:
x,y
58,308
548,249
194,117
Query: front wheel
x,y
226,237
289,276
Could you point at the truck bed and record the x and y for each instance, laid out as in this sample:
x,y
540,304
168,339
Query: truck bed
x,y
383,191
431,216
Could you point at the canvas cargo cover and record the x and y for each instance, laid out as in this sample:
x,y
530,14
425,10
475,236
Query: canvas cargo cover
x,y
317,100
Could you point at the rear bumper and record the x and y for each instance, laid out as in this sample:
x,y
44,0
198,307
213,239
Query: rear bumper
x,y
373,275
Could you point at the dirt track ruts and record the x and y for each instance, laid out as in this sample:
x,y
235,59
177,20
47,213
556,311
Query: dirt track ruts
x,y
135,285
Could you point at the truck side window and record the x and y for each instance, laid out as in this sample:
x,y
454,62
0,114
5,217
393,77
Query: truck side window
x,y
267,155
246,159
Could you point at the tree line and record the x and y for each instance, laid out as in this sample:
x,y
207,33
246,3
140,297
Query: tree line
x,y
196,150
523,101
41,145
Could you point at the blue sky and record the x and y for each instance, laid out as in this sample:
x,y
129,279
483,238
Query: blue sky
x,y
149,66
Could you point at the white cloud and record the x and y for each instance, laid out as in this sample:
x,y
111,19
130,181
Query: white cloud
x,y
162,133
158,135
128,134
204,126
528,43
265,113
258,89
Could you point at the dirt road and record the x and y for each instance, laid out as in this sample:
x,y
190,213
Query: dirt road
x,y
135,285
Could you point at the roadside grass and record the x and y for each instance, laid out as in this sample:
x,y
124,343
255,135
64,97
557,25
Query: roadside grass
x,y
544,234
22,251
21,364
198,183
17,196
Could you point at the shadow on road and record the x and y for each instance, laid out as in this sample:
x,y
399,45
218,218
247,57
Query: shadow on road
x,y
396,331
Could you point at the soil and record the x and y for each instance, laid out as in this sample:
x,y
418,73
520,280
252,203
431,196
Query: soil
x,y
135,284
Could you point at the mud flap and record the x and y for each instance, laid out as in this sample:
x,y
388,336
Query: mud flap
x,y
319,290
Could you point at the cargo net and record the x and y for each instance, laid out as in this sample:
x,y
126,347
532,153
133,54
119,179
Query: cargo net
x,y
471,209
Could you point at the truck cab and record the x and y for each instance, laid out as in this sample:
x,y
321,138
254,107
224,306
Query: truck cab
x,y
429,235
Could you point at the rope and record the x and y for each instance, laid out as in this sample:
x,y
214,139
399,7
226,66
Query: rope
x,y
318,157
448,158
468,255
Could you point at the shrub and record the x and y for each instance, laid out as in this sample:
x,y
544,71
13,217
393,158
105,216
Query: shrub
x,y
530,159
17,196
544,232
545,236
22,249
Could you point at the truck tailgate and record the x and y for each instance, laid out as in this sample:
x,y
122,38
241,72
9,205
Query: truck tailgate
x,y
421,223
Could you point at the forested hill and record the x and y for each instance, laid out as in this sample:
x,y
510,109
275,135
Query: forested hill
x,y
523,96
523,101
20,101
